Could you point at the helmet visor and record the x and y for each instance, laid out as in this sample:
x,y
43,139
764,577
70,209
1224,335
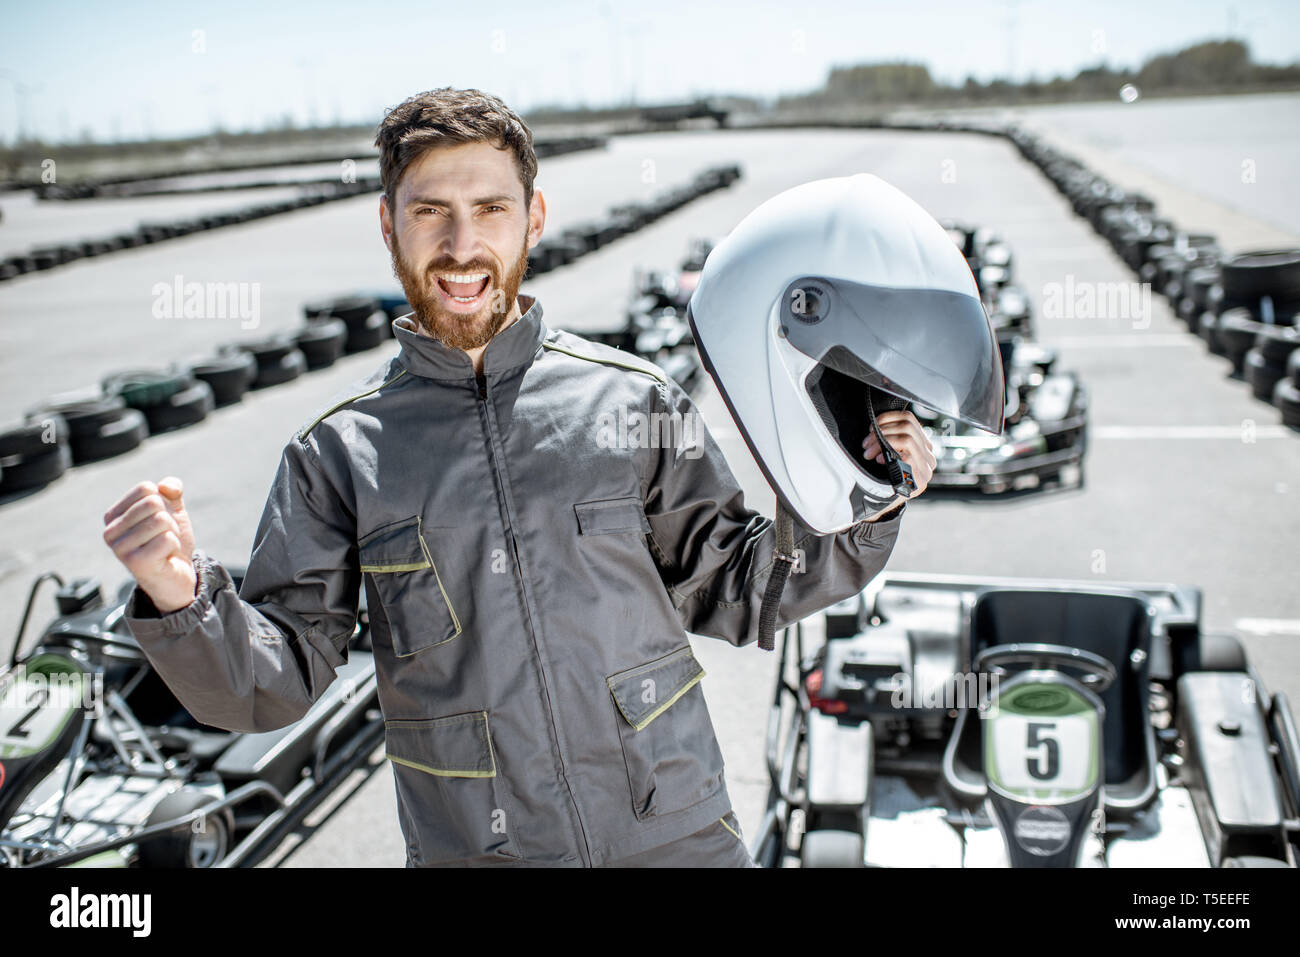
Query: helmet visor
x,y
931,346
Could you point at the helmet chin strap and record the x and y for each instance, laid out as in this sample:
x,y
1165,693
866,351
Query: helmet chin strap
x,y
784,561
900,473
900,476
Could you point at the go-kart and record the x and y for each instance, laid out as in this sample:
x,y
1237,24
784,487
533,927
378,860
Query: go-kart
x,y
952,721
1046,431
655,325
101,766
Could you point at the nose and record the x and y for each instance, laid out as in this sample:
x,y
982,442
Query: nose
x,y
462,240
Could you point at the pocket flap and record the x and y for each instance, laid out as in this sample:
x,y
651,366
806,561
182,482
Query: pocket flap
x,y
398,547
458,746
644,693
612,515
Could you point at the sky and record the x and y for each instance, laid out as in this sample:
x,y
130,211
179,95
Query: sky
x,y
128,69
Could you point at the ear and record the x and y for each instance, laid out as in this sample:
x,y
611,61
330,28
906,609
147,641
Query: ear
x,y
536,217
386,222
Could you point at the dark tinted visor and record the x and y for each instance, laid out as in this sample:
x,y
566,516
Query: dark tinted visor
x,y
932,347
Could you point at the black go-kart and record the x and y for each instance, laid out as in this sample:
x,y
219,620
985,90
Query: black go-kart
x,y
1044,440
101,766
949,721
655,325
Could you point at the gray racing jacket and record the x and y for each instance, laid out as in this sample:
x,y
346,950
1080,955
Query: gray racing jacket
x,y
535,544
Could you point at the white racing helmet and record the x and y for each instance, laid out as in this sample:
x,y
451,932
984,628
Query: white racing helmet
x,y
828,304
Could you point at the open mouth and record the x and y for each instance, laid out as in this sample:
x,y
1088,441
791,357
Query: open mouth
x,y
466,290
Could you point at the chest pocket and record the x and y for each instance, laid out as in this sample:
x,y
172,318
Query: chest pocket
x,y
611,516
420,614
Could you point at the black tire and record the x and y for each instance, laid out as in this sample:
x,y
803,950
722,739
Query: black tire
x,y
230,375
1270,272
1277,343
1219,653
119,435
322,341
268,351
1286,396
289,366
142,388
348,308
19,472
1237,332
1262,375
367,334
84,416
186,846
1208,330
35,437
186,407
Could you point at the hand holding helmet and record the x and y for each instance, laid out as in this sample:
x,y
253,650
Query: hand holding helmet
x,y
822,317
903,432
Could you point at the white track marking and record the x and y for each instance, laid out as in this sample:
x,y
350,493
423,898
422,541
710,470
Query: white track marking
x,y
1269,626
1136,340
1142,432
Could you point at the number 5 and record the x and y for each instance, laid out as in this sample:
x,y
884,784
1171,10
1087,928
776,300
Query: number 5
x,y
1051,759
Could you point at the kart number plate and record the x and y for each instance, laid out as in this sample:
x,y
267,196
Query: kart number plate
x,y
1039,753
32,713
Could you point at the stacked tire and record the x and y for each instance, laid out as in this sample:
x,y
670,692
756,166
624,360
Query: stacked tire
x,y
367,323
278,359
169,399
1286,394
229,374
97,428
34,454
322,341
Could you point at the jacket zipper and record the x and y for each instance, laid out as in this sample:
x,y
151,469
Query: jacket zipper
x,y
490,417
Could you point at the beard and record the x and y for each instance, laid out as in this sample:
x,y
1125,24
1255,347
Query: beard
x,y
460,330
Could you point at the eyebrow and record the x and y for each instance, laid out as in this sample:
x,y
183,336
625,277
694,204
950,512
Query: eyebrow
x,y
429,201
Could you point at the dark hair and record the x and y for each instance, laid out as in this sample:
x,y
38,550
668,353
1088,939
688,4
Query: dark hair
x,y
447,116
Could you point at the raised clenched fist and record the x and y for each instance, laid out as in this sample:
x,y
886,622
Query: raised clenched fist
x,y
149,532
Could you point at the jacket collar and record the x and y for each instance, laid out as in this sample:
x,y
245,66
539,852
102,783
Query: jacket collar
x,y
514,346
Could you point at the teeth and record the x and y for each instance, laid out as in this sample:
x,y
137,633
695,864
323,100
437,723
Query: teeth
x,y
463,277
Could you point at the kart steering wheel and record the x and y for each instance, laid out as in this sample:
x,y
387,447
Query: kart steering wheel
x,y
1099,673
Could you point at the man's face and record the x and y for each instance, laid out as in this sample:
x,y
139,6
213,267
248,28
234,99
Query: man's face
x,y
459,236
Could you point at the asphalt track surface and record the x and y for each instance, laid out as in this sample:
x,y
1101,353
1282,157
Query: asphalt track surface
x,y
1174,492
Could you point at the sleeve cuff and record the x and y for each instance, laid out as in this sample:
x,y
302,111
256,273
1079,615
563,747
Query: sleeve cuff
x,y
883,527
144,619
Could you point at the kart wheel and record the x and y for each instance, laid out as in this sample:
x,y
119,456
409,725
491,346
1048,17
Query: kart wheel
x,y
203,843
1220,653
827,848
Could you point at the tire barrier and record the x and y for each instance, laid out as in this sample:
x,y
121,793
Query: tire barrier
x,y
1244,307
313,193
74,428
590,235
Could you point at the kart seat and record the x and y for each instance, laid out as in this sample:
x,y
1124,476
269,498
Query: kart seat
x,y
1117,627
